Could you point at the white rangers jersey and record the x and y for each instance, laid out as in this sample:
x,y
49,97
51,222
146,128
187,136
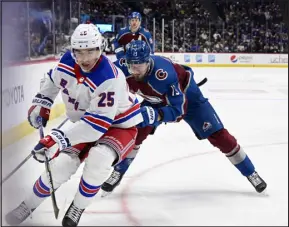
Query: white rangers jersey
x,y
95,101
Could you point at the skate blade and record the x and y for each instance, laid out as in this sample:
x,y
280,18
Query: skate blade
x,y
105,194
264,193
62,207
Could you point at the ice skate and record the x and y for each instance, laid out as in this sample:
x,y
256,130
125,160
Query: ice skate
x,y
18,215
110,184
258,183
72,216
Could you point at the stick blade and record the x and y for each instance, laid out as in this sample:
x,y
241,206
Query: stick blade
x,y
56,212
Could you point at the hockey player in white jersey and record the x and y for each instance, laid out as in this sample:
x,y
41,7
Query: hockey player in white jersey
x,y
104,113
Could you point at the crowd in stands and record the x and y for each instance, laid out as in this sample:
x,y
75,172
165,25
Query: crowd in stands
x,y
241,26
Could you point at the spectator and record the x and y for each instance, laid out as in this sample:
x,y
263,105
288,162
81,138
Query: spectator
x,y
247,25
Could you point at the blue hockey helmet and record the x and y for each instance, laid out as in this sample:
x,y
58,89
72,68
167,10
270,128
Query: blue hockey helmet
x,y
135,15
137,52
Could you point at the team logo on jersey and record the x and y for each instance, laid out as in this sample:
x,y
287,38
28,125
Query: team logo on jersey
x,y
122,62
161,74
207,126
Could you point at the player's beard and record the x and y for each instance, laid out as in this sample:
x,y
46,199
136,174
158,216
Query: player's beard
x,y
138,77
141,77
139,71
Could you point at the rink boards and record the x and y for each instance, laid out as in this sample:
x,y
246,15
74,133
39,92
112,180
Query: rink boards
x,y
21,83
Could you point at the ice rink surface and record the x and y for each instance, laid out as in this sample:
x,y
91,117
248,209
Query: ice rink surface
x,y
177,179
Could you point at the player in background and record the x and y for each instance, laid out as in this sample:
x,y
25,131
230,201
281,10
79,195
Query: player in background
x,y
170,94
102,130
133,32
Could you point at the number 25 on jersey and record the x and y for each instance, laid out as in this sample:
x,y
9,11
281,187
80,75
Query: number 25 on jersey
x,y
106,99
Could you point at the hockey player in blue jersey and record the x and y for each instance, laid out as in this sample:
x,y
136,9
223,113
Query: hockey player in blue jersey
x,y
133,32
170,94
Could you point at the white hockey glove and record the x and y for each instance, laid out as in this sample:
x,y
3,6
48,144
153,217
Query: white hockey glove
x,y
56,136
40,109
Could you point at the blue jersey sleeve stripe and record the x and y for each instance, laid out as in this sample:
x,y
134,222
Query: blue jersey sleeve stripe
x,y
97,122
108,120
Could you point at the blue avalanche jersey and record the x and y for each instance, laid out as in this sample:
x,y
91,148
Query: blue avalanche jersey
x,y
168,86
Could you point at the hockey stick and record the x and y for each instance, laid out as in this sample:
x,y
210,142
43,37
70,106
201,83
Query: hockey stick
x,y
26,159
49,175
17,167
202,82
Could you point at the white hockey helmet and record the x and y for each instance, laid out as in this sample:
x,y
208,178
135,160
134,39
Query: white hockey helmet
x,y
86,36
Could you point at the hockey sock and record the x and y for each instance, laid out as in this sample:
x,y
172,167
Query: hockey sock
x,y
241,161
122,167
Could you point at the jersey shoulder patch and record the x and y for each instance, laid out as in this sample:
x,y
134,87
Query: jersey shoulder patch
x,y
67,59
121,63
161,74
121,32
163,69
66,64
124,30
145,30
151,40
